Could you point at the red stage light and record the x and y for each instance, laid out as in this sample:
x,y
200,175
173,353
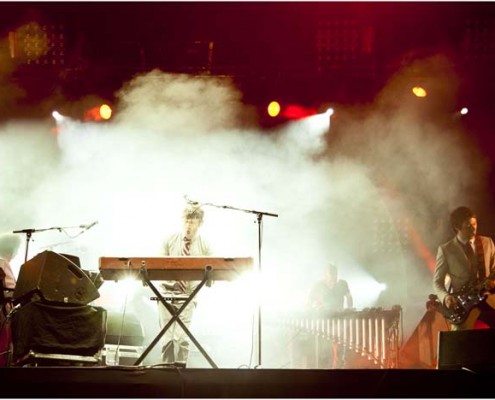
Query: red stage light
x,y
294,111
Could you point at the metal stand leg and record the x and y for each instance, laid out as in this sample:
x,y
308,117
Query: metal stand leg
x,y
175,316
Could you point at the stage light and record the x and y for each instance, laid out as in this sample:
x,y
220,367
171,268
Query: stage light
x,y
273,109
464,111
101,112
105,111
419,91
381,287
296,111
329,112
57,116
308,132
130,284
113,294
289,111
366,289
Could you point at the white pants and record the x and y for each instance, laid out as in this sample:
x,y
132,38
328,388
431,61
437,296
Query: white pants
x,y
175,340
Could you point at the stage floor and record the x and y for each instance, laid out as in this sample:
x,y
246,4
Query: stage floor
x,y
154,382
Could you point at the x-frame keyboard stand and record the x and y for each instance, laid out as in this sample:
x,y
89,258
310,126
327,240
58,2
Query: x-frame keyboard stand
x,y
175,314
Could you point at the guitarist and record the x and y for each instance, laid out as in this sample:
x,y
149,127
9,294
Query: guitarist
x,y
466,261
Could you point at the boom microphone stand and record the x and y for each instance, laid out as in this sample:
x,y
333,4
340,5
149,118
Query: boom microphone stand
x,y
259,218
29,232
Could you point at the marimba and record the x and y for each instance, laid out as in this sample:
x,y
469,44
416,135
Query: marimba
x,y
372,332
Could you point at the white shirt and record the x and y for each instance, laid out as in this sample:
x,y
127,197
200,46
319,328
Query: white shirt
x,y
471,242
174,244
173,247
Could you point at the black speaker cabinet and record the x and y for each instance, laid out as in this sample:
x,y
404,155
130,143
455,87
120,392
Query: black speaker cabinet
x,y
54,278
472,349
50,329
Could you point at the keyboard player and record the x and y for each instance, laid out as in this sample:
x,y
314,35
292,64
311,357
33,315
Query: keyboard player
x,y
188,242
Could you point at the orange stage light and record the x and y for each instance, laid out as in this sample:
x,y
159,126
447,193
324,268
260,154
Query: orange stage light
x,y
105,111
273,109
419,91
98,113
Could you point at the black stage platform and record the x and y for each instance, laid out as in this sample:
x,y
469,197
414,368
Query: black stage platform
x,y
123,382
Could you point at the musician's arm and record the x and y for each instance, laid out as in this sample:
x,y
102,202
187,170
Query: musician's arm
x,y
2,272
490,282
175,286
348,301
205,246
172,286
166,247
441,270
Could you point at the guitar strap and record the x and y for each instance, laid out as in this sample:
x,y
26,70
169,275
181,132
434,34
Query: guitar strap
x,y
480,255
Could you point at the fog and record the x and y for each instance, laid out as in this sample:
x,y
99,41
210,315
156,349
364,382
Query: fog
x,y
354,192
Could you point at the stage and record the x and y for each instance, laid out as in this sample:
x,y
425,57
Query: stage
x,y
52,343
148,382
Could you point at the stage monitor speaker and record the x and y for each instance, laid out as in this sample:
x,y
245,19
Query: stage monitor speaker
x,y
50,329
54,278
472,349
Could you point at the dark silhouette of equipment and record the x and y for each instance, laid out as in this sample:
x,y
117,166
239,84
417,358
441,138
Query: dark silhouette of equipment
x,y
54,278
472,349
52,322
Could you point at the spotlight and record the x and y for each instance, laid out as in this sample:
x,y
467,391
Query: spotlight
x,y
273,109
329,112
464,111
57,116
326,109
419,91
102,112
366,288
105,111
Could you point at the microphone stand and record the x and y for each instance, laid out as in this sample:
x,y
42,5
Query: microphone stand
x,y
259,217
29,232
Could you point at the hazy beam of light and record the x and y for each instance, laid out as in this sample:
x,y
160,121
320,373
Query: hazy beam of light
x,y
57,116
308,133
366,290
113,295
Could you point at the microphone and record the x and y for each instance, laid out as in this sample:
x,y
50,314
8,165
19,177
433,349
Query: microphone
x,y
189,201
89,226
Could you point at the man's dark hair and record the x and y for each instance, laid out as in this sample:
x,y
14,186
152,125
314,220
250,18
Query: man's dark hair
x,y
459,215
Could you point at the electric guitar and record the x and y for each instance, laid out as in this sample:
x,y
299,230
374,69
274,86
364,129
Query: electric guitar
x,y
467,298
